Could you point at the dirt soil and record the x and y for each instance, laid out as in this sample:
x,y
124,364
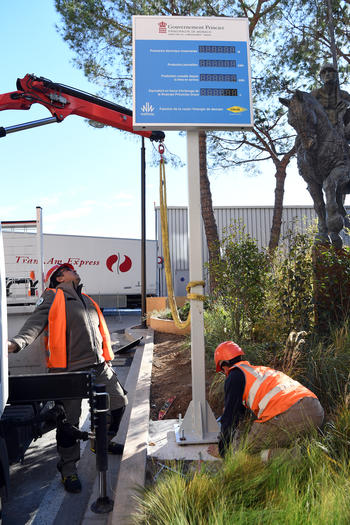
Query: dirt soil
x,y
171,375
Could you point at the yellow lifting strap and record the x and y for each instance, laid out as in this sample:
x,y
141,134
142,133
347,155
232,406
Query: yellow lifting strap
x,y
166,252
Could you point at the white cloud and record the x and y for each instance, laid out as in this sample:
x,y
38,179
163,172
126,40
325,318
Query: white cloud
x,y
123,196
50,200
75,213
6,211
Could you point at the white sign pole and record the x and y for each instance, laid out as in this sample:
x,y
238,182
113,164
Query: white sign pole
x,y
192,73
199,424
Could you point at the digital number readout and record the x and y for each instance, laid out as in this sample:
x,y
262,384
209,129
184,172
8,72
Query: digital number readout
x,y
217,63
215,92
216,49
212,77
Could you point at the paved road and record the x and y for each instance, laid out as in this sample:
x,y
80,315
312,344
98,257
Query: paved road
x,y
36,495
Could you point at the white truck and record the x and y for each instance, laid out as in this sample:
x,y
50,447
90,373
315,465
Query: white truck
x,y
110,268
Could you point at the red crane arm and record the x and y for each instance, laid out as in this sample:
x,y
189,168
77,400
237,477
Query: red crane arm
x,y
63,101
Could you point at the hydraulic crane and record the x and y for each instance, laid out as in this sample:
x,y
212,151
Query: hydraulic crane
x,y
62,101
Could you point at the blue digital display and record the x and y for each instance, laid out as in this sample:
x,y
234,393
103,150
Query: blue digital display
x,y
217,92
215,77
185,82
216,49
217,63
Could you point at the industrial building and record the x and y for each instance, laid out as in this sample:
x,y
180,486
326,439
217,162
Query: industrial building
x,y
256,219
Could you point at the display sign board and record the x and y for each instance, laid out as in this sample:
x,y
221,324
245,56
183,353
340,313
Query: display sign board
x,y
191,73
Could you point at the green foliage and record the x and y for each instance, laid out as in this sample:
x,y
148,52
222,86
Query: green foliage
x,y
291,291
303,43
241,277
166,314
184,311
257,298
217,326
332,280
305,486
327,366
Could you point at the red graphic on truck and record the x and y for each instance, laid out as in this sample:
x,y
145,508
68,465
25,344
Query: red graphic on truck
x,y
114,261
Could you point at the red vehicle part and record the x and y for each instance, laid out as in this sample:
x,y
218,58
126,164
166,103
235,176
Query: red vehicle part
x,y
62,101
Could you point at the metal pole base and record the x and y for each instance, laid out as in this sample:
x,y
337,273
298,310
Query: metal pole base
x,y
102,505
199,425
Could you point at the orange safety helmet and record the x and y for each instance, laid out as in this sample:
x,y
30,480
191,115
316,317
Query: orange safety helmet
x,y
54,269
226,351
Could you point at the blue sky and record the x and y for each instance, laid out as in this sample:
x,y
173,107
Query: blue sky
x,y
88,180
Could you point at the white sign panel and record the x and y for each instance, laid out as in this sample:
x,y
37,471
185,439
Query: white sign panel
x,y
191,73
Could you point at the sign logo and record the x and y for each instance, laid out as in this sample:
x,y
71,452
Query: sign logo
x,y
147,108
236,109
114,261
162,27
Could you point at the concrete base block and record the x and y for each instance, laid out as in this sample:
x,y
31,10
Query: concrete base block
x,y
162,444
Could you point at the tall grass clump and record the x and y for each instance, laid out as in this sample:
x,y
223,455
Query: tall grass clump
x,y
305,487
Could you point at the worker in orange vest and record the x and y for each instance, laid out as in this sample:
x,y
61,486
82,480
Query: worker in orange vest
x,y
284,408
76,339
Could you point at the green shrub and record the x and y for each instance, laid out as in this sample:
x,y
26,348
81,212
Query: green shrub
x,y
290,295
166,313
241,280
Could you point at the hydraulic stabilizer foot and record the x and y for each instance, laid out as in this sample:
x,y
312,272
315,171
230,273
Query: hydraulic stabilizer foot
x,y
102,505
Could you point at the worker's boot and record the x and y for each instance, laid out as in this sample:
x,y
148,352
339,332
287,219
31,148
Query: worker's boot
x,y
116,417
71,482
67,468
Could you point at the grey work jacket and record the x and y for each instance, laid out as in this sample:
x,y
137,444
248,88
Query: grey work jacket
x,y
84,340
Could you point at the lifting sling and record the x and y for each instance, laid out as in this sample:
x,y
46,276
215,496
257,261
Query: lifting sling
x,y
166,252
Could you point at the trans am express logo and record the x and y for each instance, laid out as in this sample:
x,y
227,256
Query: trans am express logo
x,y
162,27
236,109
147,109
113,263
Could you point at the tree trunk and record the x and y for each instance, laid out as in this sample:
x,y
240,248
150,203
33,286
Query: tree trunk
x,y
210,227
280,175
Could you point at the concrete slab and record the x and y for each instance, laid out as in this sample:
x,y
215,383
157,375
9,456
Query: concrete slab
x,y
133,466
162,444
114,462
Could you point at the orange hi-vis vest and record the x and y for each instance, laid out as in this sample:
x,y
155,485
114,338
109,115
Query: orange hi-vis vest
x,y
268,392
56,343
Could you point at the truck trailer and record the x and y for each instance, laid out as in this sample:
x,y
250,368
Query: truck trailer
x,y
110,268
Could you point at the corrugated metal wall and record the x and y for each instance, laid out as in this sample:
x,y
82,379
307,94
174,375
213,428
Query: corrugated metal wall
x,y
257,221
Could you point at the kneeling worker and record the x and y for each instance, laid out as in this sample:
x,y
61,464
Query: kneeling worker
x,y
284,408
77,340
